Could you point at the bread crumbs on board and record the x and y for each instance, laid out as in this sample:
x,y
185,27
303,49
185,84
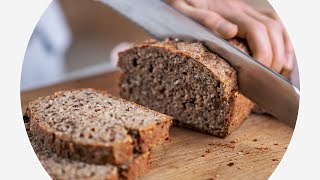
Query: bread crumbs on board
x,y
234,141
221,144
263,148
230,164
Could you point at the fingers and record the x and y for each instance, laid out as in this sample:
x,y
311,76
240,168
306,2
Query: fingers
x,y
211,20
289,51
263,44
257,37
275,32
270,12
259,43
265,37
290,55
277,42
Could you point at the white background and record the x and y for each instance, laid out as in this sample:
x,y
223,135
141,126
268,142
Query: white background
x,y
18,19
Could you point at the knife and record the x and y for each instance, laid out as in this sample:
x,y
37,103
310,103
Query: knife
x,y
260,84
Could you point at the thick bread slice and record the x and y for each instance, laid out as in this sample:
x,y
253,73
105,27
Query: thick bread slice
x,y
67,169
184,80
95,127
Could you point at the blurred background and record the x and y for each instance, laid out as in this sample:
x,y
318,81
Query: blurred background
x,y
75,39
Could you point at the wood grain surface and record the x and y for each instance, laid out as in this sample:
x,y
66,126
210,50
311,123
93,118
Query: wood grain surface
x,y
251,152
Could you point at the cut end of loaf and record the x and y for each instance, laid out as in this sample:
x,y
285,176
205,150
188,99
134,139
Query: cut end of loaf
x,y
183,80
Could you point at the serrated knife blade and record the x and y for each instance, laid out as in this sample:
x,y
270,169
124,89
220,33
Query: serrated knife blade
x,y
266,88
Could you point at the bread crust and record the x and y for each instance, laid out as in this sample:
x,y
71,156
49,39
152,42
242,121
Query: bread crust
x,y
117,153
139,166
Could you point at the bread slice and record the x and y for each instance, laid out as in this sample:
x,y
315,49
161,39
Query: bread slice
x,y
95,127
66,169
186,81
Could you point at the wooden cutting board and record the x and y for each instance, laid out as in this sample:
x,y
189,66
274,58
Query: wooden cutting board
x,y
251,152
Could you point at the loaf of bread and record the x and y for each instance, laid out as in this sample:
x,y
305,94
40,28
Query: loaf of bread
x,y
94,127
67,169
186,81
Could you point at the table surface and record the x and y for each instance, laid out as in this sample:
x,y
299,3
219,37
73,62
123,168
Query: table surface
x,y
251,152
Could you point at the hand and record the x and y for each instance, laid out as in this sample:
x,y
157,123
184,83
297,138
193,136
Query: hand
x,y
262,28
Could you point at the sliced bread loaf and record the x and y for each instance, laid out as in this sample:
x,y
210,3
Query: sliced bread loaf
x,y
184,80
95,127
67,169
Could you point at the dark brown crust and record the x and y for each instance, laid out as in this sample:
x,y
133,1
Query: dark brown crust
x,y
221,70
138,167
117,153
154,135
239,110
